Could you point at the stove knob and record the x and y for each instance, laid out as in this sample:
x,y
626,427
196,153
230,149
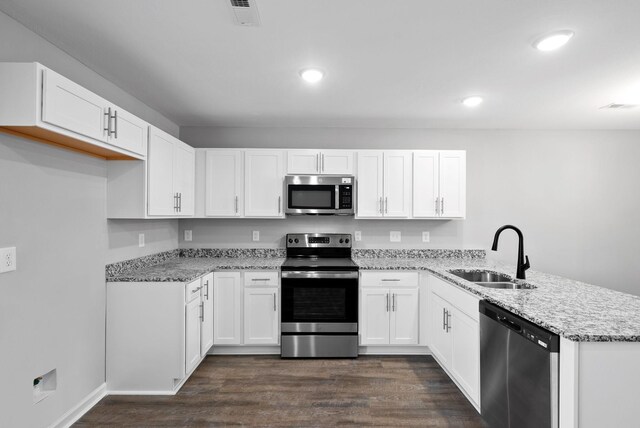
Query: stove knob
x,y
346,241
341,241
290,240
296,240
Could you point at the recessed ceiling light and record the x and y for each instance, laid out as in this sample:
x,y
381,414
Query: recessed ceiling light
x,y
474,101
311,75
553,41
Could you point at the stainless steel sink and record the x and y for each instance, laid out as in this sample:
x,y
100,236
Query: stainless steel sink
x,y
489,279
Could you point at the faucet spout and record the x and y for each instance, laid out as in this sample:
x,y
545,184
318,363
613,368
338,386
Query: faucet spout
x,y
523,261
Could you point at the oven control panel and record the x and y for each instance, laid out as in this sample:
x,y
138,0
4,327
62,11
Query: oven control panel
x,y
318,240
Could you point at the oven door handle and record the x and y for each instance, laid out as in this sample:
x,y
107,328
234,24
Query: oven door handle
x,y
320,275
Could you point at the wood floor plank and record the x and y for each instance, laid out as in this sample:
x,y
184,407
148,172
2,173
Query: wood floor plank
x,y
269,391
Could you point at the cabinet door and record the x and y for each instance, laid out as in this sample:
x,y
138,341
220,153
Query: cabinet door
x,y
440,338
160,165
72,107
227,312
303,162
465,355
374,316
192,334
206,328
336,162
261,319
129,132
453,183
370,179
426,183
263,183
397,184
404,320
223,183
184,174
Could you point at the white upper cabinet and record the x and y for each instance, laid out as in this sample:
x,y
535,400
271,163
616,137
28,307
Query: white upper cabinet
x,y
264,175
171,169
224,179
384,184
39,103
320,162
439,184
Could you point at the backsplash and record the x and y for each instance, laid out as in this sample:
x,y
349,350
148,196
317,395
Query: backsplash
x,y
114,269
233,252
418,253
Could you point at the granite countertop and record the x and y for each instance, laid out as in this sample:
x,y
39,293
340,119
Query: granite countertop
x,y
575,310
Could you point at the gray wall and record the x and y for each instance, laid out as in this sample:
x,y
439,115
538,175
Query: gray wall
x,y
573,193
53,209
159,235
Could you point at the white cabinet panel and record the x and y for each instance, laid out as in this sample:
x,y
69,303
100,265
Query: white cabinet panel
x,y
224,183
206,329
336,162
261,318
452,183
465,355
404,316
162,198
128,131
426,183
397,184
370,184
227,300
184,178
192,336
303,162
264,183
374,316
440,339
72,107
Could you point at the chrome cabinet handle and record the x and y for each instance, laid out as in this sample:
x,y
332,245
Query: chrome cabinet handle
x,y
179,202
386,205
442,206
206,293
259,279
202,311
279,201
175,202
275,308
381,205
236,204
444,319
115,123
322,162
317,162
390,279
108,122
437,205
387,302
448,321
393,302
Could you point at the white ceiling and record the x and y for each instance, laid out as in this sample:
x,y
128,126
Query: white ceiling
x,y
389,63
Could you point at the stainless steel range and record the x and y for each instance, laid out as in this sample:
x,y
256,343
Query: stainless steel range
x,y
319,297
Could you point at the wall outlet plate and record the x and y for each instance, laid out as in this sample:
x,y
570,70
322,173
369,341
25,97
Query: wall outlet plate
x,y
188,235
256,235
8,259
395,236
425,236
357,235
140,240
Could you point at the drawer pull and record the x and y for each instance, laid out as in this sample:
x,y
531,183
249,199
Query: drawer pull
x,y
259,279
392,279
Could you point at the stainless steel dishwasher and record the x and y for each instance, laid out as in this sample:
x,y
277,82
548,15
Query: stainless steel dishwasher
x,y
518,371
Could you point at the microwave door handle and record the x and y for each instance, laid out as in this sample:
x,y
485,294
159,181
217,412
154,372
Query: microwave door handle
x,y
337,206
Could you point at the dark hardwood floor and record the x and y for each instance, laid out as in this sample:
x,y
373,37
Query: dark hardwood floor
x,y
268,391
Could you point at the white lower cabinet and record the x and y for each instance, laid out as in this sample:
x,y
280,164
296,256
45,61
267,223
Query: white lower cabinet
x,y
206,330
155,333
247,308
389,308
455,335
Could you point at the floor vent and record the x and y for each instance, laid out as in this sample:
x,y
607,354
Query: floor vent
x,y
245,13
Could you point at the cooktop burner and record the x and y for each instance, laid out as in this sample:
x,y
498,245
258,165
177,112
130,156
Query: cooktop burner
x,y
319,252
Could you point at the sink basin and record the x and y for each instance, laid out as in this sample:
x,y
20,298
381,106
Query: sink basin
x,y
481,276
490,279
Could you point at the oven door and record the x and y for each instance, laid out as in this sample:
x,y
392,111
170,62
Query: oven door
x,y
311,199
319,302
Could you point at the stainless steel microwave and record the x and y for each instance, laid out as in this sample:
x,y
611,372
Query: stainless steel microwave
x,y
319,194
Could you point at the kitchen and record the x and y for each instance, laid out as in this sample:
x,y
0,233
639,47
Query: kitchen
x,y
540,153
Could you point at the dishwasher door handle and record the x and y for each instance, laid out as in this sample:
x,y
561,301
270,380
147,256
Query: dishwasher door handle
x,y
510,324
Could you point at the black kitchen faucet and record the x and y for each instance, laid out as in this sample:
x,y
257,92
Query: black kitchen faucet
x,y
522,265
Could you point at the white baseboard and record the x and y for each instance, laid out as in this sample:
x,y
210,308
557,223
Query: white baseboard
x,y
394,350
169,392
81,408
244,350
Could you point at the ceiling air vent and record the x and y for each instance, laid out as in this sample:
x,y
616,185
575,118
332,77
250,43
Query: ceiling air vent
x,y
616,106
244,12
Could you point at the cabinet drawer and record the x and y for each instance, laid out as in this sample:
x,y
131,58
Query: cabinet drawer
x,y
192,290
466,302
389,278
261,278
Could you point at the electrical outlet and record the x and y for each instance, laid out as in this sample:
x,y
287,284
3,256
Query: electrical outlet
x,y
358,235
395,236
425,236
7,259
188,235
140,240
256,235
